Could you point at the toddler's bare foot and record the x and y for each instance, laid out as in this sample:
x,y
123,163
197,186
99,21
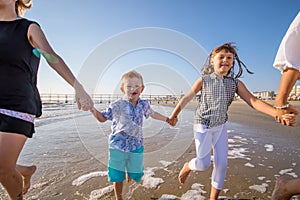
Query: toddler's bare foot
x,y
280,191
184,172
26,173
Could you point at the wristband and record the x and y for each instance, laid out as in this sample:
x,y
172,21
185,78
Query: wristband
x,y
282,107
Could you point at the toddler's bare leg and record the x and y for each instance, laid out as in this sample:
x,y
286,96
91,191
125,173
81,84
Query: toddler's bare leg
x,y
128,179
118,187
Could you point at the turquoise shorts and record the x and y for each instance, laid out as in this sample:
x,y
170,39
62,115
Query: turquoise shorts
x,y
121,162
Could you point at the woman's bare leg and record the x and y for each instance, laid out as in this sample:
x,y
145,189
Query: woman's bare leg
x,y
285,188
26,172
10,148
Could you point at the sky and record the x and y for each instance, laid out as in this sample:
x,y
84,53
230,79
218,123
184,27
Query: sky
x,y
166,40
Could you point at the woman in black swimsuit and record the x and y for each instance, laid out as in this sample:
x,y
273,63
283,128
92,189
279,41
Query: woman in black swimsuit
x,y
21,44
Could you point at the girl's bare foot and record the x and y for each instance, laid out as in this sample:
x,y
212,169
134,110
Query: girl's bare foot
x,y
184,172
280,191
26,172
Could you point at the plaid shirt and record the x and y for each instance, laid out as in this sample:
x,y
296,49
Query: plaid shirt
x,y
217,95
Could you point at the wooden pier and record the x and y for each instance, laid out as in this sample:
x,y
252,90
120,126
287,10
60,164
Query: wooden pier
x,y
106,98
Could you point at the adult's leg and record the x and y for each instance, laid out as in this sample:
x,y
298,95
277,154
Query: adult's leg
x,y
26,172
285,188
118,187
10,148
220,148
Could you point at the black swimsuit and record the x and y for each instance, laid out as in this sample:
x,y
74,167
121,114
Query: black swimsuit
x,y
18,75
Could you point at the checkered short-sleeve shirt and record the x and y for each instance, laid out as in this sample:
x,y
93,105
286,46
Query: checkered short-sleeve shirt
x,y
216,96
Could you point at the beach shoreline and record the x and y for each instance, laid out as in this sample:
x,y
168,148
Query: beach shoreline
x,y
260,150
251,177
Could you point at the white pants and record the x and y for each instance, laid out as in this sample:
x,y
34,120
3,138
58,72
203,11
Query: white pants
x,y
215,138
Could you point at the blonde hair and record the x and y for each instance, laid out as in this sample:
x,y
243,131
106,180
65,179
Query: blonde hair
x,y
21,6
208,68
131,74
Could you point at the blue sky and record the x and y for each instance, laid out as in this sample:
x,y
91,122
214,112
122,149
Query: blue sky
x,y
76,29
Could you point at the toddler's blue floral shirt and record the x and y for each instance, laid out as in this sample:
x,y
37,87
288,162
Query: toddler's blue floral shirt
x,y
127,123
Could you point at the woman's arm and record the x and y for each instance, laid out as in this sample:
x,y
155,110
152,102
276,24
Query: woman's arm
x,y
38,40
288,80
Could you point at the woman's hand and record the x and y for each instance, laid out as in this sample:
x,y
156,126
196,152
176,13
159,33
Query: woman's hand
x,y
287,116
83,100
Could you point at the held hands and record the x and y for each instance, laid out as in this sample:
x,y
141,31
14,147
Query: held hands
x,y
172,121
84,101
287,116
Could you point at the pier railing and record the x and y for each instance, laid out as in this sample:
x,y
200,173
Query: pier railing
x,y
107,98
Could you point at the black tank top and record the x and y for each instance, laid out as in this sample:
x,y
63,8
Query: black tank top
x,y
18,68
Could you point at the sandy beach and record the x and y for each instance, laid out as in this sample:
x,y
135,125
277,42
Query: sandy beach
x,y
71,157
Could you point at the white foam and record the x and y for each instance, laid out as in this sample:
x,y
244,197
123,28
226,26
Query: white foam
x,y
168,197
165,163
225,190
249,165
80,180
293,174
149,181
284,171
96,194
269,147
231,140
260,188
192,195
238,153
199,187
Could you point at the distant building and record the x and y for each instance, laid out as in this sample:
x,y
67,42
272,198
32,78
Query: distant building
x,y
265,95
295,93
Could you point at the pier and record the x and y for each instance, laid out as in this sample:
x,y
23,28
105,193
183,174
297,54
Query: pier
x,y
48,98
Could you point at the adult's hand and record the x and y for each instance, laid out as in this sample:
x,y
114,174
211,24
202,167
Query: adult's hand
x,y
83,100
287,116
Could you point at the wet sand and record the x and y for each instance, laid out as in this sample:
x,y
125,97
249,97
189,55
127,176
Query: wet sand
x,y
251,177
260,151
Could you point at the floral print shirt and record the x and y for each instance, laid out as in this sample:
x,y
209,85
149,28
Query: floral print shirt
x,y
127,122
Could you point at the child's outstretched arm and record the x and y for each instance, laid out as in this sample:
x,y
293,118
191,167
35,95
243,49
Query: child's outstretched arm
x,y
98,115
187,98
159,116
262,106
